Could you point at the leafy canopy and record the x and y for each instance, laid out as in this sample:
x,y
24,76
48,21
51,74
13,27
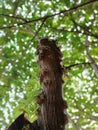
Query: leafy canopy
x,y
70,22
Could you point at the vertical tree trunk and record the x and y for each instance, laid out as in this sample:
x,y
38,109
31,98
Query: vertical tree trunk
x,y
51,111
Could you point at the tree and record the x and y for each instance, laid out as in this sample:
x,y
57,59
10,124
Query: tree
x,y
74,25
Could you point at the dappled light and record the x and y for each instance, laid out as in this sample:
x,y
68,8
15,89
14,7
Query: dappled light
x,y
74,26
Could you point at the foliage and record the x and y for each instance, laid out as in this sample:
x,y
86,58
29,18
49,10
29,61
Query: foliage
x,y
22,23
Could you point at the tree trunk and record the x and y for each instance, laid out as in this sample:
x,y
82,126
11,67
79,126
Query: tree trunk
x,y
51,111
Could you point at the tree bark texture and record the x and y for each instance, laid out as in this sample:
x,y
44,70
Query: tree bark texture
x,y
51,112
22,123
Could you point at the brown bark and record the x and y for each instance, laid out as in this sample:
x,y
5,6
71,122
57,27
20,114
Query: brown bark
x,y
52,105
21,123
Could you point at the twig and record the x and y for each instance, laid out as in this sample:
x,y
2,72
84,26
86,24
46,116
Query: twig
x,y
16,7
95,118
85,29
13,17
77,31
36,34
78,64
49,16
91,60
31,31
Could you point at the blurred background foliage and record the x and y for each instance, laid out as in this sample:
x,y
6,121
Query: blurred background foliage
x,y
22,24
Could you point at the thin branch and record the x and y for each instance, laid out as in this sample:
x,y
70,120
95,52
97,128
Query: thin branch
x,y
26,31
36,34
13,17
95,118
77,31
91,60
78,64
85,29
31,31
16,7
49,16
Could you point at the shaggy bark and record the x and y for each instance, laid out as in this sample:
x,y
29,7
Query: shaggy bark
x,y
52,105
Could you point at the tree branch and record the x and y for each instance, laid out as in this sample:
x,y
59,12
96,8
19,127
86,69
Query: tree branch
x,y
78,64
39,29
91,60
48,16
95,118
14,16
16,7
85,29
